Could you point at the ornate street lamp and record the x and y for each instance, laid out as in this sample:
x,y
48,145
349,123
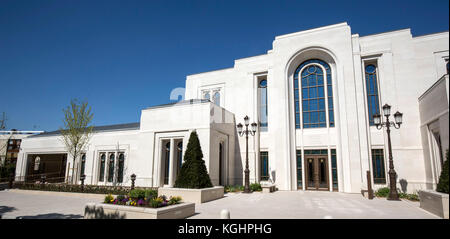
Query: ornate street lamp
x,y
133,177
393,194
246,132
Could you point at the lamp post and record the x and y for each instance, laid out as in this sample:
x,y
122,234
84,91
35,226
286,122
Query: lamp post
x,y
393,194
246,132
133,177
82,178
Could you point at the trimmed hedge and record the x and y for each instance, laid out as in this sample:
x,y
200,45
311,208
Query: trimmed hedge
x,y
115,190
193,173
443,179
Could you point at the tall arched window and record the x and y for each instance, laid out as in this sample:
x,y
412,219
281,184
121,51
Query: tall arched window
x,y
111,168
216,98
167,163
314,101
262,87
179,156
206,95
372,91
102,168
83,164
121,167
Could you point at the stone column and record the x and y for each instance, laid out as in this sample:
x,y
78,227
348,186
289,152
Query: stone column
x,y
172,163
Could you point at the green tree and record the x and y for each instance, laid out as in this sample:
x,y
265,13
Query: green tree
x,y
443,179
193,173
77,131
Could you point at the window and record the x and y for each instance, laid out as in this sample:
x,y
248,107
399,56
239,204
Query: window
x,y
102,168
299,169
379,176
111,167
447,66
262,88
206,96
83,163
121,166
334,170
179,156
264,157
372,91
220,163
167,163
216,98
314,101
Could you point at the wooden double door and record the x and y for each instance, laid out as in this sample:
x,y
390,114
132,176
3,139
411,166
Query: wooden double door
x,y
316,172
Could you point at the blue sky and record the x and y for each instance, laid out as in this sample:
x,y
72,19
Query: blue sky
x,y
123,56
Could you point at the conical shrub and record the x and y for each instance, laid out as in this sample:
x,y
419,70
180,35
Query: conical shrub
x,y
193,173
443,179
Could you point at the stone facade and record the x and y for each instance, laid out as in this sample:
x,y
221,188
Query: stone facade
x,y
406,67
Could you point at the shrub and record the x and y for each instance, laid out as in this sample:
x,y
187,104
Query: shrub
x,y
137,194
150,194
109,198
255,187
193,173
382,192
5,171
443,179
174,200
233,188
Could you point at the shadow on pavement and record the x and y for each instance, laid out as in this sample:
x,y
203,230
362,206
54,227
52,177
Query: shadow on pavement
x,y
52,216
5,209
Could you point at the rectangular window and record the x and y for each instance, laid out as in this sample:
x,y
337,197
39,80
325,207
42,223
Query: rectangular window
x,y
264,157
299,169
334,170
83,164
379,176
101,177
262,88
372,91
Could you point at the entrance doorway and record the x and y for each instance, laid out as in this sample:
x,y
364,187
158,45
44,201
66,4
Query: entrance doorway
x,y
316,172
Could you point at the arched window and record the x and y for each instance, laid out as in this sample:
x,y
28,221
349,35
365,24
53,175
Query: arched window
x,y
262,87
216,98
372,92
102,168
83,164
111,168
121,167
312,79
167,163
179,156
206,95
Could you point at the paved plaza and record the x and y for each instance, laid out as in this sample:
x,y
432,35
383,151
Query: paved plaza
x,y
280,204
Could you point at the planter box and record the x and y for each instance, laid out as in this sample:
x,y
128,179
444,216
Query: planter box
x,y
193,195
111,211
434,202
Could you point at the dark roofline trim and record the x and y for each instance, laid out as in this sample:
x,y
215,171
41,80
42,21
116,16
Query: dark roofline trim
x,y
97,129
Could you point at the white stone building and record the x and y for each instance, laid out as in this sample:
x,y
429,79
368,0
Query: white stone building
x,y
313,96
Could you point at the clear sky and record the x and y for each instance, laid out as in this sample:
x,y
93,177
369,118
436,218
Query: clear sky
x,y
123,56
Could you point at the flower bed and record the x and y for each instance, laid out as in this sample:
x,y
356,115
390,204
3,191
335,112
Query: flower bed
x,y
153,202
62,187
139,204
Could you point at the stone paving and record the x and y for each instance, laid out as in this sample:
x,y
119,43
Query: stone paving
x,y
280,204
310,205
